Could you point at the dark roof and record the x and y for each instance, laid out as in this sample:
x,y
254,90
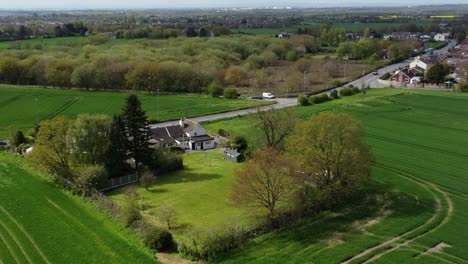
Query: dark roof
x,y
430,59
161,135
419,69
406,72
175,131
201,138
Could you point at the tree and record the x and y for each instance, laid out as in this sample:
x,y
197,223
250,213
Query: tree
x,y
87,176
58,73
203,33
51,153
136,130
10,70
214,89
275,126
130,209
265,181
19,138
166,214
230,93
331,152
436,73
88,138
84,76
116,153
148,179
239,143
235,75
145,77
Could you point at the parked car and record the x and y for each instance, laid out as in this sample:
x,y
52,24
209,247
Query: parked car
x,y
3,143
257,97
376,73
268,96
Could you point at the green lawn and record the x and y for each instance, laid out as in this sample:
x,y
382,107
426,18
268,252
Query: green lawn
x,y
39,223
420,150
199,193
19,108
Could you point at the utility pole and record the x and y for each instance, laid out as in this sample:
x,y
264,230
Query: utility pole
x,y
158,104
304,81
37,112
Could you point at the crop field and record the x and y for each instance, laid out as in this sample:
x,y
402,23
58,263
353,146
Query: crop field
x,y
39,223
199,193
19,108
418,201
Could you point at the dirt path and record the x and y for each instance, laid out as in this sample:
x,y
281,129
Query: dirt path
x,y
167,258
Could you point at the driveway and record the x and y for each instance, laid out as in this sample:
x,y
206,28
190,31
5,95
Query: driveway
x,y
281,103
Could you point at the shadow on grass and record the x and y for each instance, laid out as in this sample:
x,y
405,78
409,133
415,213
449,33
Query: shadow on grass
x,y
186,177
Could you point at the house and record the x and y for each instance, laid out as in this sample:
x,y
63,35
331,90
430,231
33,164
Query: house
x,y
186,134
439,37
233,155
425,61
403,76
284,35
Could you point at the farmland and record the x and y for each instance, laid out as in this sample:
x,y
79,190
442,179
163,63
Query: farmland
x,y
419,184
199,193
70,103
39,223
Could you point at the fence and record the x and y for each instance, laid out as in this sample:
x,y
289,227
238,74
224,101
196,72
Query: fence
x,y
118,182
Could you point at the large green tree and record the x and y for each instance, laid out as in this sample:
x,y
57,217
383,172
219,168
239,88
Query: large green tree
x,y
136,130
334,159
116,154
436,73
84,76
145,77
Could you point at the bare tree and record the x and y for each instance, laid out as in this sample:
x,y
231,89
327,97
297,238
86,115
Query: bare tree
x,y
275,126
265,181
148,179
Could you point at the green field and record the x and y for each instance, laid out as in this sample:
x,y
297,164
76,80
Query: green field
x,y
46,43
199,193
420,150
39,223
19,108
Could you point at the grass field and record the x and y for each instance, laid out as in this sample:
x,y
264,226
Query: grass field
x,y
19,108
41,224
420,150
199,193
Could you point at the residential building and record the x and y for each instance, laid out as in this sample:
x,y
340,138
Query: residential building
x,y
439,37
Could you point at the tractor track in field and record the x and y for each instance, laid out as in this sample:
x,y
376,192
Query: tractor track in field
x,y
436,150
62,108
9,101
18,244
394,243
9,249
25,233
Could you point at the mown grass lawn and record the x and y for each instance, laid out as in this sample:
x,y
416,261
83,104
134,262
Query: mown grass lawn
x,y
420,150
39,223
19,108
199,193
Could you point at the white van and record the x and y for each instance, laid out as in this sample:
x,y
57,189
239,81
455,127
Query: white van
x,y
268,96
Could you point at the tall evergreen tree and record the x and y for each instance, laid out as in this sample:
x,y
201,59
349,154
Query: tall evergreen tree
x,y
117,155
136,130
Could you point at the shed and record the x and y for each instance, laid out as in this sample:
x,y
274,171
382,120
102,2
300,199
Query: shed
x,y
233,155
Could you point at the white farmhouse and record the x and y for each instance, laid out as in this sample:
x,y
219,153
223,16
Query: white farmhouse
x,y
439,37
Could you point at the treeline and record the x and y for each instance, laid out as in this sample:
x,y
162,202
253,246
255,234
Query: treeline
x,y
376,49
176,65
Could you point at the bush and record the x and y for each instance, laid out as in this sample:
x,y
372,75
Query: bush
x,y
166,161
130,212
336,83
334,94
214,89
347,91
19,138
463,87
208,245
158,239
223,132
318,99
356,90
303,100
230,93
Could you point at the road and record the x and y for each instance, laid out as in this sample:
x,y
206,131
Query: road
x,y
369,79
281,103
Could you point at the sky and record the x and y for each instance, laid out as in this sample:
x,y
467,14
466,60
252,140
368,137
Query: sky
x,y
76,4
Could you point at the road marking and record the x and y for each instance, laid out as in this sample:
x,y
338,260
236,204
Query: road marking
x,y
26,234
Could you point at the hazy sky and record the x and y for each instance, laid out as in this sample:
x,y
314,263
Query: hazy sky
x,y
33,4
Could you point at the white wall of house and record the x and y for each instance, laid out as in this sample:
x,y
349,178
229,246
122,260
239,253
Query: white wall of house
x,y
198,130
439,37
418,63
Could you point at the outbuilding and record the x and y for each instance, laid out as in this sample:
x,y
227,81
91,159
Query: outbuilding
x,y
233,155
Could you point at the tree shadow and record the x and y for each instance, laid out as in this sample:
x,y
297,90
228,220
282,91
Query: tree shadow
x,y
187,177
